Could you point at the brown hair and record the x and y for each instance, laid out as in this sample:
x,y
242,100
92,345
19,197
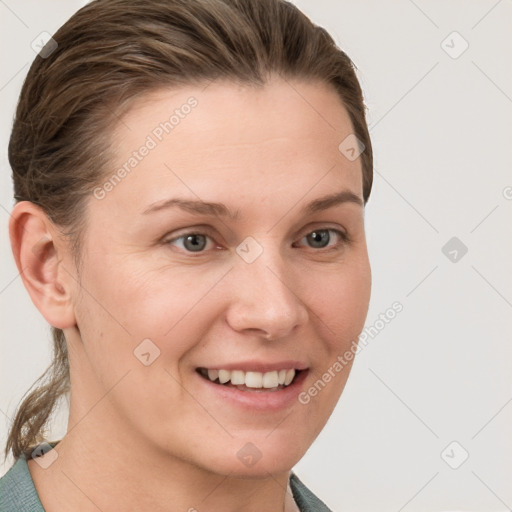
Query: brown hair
x,y
109,53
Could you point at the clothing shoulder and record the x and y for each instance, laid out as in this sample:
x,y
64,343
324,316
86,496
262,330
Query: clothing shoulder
x,y
17,491
305,499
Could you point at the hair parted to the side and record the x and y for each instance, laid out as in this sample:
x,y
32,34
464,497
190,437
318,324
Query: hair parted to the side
x,y
113,51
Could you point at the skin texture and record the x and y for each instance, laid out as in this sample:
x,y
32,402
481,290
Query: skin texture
x,y
155,437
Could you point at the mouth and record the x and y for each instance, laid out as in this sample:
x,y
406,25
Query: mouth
x,y
252,381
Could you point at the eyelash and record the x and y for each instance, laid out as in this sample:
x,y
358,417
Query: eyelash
x,y
344,240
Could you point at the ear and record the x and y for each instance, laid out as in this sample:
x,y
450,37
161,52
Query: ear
x,y
44,262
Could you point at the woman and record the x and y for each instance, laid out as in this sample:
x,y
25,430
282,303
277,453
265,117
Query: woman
x,y
190,181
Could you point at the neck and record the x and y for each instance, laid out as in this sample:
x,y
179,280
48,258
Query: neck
x,y
98,472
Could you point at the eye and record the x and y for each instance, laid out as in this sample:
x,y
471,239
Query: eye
x,y
318,239
191,242
322,238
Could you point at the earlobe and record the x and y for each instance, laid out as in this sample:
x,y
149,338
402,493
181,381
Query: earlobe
x,y
41,255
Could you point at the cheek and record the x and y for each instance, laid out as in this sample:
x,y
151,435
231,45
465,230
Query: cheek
x,y
340,299
340,304
138,300
167,303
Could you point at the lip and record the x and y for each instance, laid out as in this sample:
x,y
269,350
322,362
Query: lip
x,y
263,401
259,366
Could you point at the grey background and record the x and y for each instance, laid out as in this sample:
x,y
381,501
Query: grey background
x,y
440,371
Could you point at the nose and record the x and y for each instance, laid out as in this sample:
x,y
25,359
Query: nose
x,y
263,299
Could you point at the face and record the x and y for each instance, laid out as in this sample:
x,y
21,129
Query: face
x,y
232,247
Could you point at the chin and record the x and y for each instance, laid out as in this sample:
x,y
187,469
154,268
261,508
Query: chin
x,y
257,458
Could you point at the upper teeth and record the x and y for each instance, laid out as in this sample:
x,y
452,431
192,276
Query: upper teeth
x,y
253,379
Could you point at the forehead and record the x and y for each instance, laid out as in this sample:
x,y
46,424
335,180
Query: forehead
x,y
238,138
247,112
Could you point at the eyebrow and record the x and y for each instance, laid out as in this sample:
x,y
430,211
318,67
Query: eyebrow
x,y
219,209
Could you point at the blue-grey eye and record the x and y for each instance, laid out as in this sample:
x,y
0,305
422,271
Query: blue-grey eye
x,y
193,242
319,238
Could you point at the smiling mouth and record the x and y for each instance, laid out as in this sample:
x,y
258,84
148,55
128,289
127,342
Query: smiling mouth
x,y
251,381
